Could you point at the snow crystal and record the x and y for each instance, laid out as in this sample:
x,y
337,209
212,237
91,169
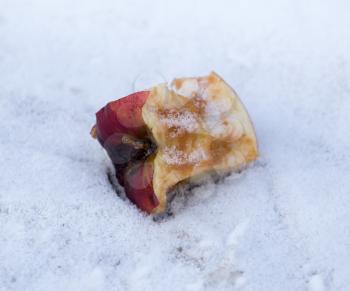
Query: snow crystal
x,y
282,224
174,156
184,121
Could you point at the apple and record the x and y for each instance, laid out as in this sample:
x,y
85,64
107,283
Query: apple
x,y
122,116
165,135
138,179
123,134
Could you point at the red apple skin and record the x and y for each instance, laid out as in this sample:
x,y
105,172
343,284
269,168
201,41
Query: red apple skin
x,y
114,122
122,116
117,119
139,187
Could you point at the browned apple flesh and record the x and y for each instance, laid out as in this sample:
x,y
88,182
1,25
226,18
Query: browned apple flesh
x,y
162,136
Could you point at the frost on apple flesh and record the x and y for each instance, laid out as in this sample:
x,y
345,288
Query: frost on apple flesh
x,y
164,136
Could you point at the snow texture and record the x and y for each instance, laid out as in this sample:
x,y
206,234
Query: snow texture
x,y
283,224
174,156
184,120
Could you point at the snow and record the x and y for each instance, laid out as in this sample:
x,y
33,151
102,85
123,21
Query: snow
x,y
316,283
184,121
174,156
283,224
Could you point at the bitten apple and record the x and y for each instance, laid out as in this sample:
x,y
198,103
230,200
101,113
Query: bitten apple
x,y
159,137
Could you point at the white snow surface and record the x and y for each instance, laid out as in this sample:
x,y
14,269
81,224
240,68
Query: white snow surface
x,y
282,224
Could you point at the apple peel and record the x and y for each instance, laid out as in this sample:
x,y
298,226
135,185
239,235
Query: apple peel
x,y
162,136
